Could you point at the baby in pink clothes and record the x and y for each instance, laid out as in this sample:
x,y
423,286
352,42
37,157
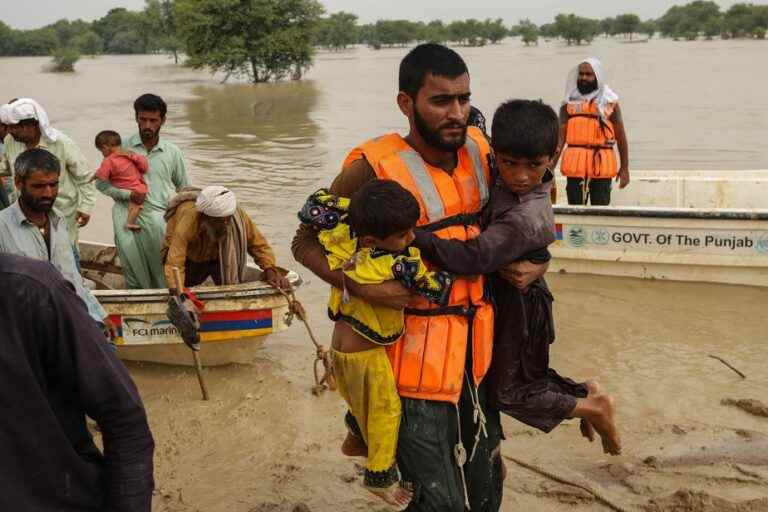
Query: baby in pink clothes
x,y
124,170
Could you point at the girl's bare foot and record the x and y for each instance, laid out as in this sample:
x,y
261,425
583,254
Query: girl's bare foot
x,y
354,446
396,495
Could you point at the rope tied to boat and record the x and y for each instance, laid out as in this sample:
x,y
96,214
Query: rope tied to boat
x,y
325,379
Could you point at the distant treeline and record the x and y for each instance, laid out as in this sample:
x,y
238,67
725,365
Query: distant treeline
x,y
155,29
276,39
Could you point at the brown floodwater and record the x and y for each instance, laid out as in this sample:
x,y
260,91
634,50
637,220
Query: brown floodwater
x,y
687,105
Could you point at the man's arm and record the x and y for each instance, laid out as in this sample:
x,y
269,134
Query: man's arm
x,y
183,231
108,395
81,173
179,176
308,251
499,245
621,141
262,254
118,194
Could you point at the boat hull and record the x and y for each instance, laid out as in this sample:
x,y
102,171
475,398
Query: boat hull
x,y
234,324
676,244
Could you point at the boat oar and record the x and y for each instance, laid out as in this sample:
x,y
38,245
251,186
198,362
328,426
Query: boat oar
x,y
185,316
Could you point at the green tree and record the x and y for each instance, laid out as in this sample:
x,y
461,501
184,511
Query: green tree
x,y
132,27
548,31
337,31
160,20
688,20
396,32
88,43
434,32
627,24
528,32
64,60
260,39
41,41
576,29
649,28
467,32
494,30
608,27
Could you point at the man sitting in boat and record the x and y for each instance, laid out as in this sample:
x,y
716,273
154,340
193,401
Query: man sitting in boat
x,y
30,227
208,235
591,125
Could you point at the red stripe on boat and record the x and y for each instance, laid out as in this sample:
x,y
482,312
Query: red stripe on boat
x,y
228,316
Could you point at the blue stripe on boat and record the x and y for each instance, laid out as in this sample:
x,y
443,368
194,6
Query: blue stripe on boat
x,y
236,325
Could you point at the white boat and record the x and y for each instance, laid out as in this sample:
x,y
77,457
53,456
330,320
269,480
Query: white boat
x,y
235,322
709,226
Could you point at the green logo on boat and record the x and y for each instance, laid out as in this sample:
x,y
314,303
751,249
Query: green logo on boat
x,y
576,236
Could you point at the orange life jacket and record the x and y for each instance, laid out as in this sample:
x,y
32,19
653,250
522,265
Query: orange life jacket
x,y
429,359
590,141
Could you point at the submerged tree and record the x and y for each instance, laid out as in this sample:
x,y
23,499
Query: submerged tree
x,y
337,31
627,24
576,29
64,60
260,39
528,32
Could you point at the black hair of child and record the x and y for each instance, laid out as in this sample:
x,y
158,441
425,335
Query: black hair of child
x,y
108,138
427,58
525,128
382,208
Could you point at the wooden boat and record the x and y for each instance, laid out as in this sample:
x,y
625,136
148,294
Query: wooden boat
x,y
709,226
236,321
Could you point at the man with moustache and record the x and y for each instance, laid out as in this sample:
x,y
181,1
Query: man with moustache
x,y
30,227
139,251
208,235
591,125
449,443
30,127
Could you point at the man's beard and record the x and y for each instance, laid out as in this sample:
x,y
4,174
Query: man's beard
x,y
586,87
432,137
217,231
36,205
148,135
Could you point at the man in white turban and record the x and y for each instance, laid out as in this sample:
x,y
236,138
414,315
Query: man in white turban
x,y
30,128
208,235
591,126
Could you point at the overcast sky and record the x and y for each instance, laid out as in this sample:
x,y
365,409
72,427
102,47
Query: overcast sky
x,y
36,13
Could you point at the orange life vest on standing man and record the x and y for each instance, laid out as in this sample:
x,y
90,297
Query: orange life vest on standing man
x,y
590,141
429,359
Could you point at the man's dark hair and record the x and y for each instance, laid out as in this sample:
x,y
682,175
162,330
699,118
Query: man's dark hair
x,y
381,208
150,103
108,138
427,58
35,159
525,128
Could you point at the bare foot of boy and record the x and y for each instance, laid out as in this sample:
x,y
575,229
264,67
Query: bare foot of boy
x,y
596,413
605,425
354,446
396,495
133,227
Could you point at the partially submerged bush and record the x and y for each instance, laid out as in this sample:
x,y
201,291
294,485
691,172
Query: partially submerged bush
x,y
64,60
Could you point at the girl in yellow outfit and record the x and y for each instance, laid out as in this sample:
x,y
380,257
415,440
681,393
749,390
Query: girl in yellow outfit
x,y
368,238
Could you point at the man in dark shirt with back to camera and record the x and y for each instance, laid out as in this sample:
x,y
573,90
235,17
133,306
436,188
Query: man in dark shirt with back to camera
x,y
54,370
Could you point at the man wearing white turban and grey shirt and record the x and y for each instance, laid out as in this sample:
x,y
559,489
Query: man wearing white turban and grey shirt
x,y
208,235
30,128
591,125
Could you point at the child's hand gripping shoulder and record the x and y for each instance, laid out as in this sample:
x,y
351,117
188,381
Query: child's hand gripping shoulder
x,y
323,210
413,274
